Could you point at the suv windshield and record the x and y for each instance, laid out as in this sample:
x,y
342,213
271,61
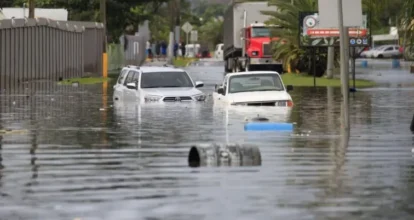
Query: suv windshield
x,y
260,32
255,82
165,79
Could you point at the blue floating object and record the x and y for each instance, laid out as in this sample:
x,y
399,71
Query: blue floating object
x,y
268,126
364,63
396,63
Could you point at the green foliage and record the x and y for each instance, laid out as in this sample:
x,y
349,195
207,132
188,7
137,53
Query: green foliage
x,y
212,32
305,80
285,20
211,23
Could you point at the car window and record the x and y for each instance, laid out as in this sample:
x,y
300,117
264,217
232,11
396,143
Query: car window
x,y
221,47
165,80
129,78
122,76
389,49
135,77
397,48
255,82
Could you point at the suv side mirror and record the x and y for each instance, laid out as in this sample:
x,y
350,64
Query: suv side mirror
x,y
220,90
199,84
289,88
131,85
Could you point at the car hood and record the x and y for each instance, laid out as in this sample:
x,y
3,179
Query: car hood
x,y
259,96
171,91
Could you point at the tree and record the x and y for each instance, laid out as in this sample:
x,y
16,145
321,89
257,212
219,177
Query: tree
x,y
212,32
287,48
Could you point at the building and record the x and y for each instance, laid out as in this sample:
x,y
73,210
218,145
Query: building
x,y
51,13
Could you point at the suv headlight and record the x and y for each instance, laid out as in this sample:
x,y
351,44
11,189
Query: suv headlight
x,y
152,98
200,97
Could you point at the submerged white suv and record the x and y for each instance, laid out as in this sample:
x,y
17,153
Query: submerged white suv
x,y
157,84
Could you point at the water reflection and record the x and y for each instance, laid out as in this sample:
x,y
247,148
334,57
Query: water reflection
x,y
89,160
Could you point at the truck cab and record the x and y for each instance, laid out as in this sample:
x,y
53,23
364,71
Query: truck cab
x,y
257,44
247,41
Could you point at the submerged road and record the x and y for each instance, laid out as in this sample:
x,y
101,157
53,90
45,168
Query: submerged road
x,y
75,154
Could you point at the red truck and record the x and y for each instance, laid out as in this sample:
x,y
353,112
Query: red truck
x,y
247,40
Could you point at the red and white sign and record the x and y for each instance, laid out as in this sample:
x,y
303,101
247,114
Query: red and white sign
x,y
333,32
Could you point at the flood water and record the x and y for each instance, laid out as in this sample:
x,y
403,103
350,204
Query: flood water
x,y
73,153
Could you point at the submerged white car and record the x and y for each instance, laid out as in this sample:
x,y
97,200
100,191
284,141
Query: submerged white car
x,y
258,88
149,84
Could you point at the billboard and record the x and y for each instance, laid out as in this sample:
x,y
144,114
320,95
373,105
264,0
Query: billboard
x,y
312,35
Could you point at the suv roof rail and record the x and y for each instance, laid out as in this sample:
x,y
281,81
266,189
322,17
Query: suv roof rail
x,y
168,65
133,66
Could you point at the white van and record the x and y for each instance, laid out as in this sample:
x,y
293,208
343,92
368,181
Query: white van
x,y
191,50
218,53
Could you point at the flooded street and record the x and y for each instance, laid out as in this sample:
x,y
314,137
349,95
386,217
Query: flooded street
x,y
74,153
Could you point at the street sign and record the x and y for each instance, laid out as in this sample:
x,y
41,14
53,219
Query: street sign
x,y
194,36
351,9
313,35
187,27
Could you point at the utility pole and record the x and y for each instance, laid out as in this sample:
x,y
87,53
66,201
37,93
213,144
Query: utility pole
x,y
102,7
173,7
178,22
103,12
344,48
31,8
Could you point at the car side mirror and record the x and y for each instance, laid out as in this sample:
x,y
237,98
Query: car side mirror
x,y
131,85
199,84
289,88
220,90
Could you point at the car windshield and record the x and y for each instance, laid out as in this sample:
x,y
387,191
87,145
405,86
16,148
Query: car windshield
x,y
255,82
260,32
165,80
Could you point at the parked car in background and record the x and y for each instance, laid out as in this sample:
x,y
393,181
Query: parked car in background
x,y
156,84
370,53
204,52
387,51
365,52
218,53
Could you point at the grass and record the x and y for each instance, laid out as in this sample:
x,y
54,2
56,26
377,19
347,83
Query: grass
x,y
84,80
183,62
306,80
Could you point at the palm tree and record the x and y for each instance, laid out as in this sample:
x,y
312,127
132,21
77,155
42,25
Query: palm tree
x,y
286,19
407,23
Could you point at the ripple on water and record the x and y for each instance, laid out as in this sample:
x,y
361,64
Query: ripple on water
x,y
130,162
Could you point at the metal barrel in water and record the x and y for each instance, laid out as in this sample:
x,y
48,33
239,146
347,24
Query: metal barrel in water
x,y
216,155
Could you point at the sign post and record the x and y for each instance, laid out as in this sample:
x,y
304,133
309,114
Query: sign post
x,y
194,36
187,27
349,15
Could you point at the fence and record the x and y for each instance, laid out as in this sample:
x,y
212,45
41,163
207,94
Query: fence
x,y
43,49
94,38
134,46
115,56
